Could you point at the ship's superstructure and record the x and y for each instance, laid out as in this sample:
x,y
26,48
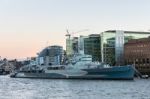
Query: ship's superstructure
x,y
80,67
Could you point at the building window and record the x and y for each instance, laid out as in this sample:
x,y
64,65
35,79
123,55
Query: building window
x,y
147,60
143,60
136,61
140,61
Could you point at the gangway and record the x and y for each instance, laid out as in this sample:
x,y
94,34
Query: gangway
x,y
138,74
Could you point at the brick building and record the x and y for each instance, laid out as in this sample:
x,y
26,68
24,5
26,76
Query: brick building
x,y
137,52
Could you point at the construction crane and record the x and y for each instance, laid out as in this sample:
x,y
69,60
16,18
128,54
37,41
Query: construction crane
x,y
69,41
70,34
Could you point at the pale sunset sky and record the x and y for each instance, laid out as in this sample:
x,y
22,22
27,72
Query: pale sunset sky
x,y
27,26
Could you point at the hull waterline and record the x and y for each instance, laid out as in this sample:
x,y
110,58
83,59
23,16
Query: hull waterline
x,y
113,73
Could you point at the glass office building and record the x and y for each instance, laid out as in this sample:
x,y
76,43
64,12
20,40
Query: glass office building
x,y
112,44
92,46
51,55
69,46
75,45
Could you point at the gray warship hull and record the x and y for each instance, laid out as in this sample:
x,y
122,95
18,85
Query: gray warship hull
x,y
115,72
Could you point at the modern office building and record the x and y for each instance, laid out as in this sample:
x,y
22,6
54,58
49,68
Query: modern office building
x,y
72,46
75,45
69,46
137,52
112,44
107,48
52,55
92,46
89,45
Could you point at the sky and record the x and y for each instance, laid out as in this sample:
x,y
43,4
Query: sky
x,y
27,26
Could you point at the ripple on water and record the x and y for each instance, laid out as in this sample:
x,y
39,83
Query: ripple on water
x,y
73,89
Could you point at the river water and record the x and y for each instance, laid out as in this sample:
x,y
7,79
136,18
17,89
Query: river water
x,y
17,88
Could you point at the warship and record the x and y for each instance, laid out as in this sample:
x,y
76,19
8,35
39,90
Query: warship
x,y
80,67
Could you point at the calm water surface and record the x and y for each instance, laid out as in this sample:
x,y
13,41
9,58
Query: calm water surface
x,y
12,88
